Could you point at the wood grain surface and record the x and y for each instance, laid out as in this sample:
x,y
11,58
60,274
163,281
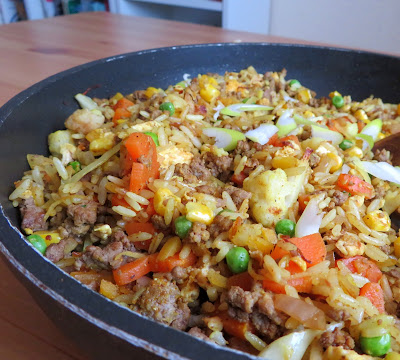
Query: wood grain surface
x,y
31,51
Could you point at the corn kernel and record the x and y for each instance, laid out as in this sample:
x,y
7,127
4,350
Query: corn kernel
x,y
50,237
381,136
209,93
334,93
161,198
397,247
208,80
360,114
284,162
199,212
392,356
336,162
116,97
378,220
304,96
355,151
308,114
150,91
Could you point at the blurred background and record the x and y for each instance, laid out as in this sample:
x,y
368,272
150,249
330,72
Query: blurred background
x,y
364,24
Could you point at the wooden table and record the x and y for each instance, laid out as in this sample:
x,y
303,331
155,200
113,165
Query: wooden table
x,y
31,51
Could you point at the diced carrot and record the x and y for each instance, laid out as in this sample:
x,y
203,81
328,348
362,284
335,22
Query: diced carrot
x,y
121,114
278,253
374,293
234,327
354,185
243,280
123,104
303,201
363,266
117,201
150,208
135,227
134,270
294,268
173,261
301,284
273,139
139,177
287,141
239,178
311,247
138,145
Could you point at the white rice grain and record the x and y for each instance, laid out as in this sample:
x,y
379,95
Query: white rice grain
x,y
116,181
193,117
329,217
375,253
229,202
62,171
121,210
139,199
21,188
161,118
145,114
102,192
36,176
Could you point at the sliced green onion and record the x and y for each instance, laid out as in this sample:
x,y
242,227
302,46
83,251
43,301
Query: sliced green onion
x,y
338,101
382,170
286,123
294,84
367,141
373,129
237,109
346,144
262,134
224,138
326,134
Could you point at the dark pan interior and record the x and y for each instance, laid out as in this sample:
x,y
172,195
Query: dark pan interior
x,y
27,119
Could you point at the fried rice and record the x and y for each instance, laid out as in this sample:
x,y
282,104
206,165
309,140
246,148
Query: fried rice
x,y
239,207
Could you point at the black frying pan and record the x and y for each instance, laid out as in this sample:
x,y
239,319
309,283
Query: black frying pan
x,y
103,329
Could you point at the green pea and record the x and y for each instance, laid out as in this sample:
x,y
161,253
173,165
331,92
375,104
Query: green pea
x,y
237,259
38,243
375,346
346,144
294,83
76,165
169,107
182,226
338,101
285,227
153,136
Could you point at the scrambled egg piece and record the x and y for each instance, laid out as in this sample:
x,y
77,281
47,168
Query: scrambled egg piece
x,y
172,156
146,126
338,353
349,246
273,194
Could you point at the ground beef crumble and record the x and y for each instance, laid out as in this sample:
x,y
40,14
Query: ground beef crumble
x,y
32,216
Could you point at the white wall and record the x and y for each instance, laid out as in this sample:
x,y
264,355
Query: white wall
x,y
364,24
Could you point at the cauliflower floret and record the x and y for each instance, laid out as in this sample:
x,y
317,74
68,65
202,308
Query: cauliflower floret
x,y
57,140
273,194
84,121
